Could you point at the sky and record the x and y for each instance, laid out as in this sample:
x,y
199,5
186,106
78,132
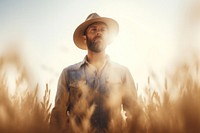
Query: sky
x,y
148,39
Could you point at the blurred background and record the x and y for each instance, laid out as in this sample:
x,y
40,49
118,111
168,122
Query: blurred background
x,y
37,37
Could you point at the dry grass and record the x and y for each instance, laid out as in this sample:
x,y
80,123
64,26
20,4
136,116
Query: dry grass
x,y
24,112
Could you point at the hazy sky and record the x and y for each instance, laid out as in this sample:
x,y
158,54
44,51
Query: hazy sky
x,y
148,36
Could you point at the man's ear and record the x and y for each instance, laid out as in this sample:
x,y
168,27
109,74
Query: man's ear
x,y
84,38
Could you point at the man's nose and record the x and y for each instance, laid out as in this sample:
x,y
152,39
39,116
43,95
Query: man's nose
x,y
99,32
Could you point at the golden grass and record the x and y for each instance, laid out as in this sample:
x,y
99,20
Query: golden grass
x,y
23,112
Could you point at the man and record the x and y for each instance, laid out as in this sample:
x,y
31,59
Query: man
x,y
91,94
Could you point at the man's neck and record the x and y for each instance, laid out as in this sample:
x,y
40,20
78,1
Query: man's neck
x,y
96,59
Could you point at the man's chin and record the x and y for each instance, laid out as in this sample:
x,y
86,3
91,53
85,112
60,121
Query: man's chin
x,y
97,50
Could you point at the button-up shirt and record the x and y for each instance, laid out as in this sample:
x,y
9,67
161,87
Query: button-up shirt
x,y
85,93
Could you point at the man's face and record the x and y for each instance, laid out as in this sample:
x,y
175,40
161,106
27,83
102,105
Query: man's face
x,y
97,37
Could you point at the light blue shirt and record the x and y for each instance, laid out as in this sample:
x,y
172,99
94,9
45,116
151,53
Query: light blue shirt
x,y
83,89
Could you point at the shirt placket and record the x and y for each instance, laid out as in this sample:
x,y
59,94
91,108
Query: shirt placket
x,y
96,76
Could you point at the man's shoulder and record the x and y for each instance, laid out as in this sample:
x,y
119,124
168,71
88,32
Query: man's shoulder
x,y
73,67
118,66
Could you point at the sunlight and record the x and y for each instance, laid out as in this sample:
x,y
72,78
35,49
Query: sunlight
x,y
142,49
158,42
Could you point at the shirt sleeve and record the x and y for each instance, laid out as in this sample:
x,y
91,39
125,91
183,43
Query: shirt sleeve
x,y
59,118
129,97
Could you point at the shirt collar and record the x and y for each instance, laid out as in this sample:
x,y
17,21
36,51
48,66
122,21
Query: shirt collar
x,y
85,61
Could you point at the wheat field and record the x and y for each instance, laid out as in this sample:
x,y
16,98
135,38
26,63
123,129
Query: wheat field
x,y
24,112
173,109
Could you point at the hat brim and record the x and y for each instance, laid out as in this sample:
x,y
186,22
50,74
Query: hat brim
x,y
79,32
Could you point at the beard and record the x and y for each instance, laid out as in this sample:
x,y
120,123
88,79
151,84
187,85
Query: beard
x,y
96,45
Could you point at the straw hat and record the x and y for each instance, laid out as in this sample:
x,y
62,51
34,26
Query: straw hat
x,y
92,18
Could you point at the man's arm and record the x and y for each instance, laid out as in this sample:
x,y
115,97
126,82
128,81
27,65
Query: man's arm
x,y
129,97
59,118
